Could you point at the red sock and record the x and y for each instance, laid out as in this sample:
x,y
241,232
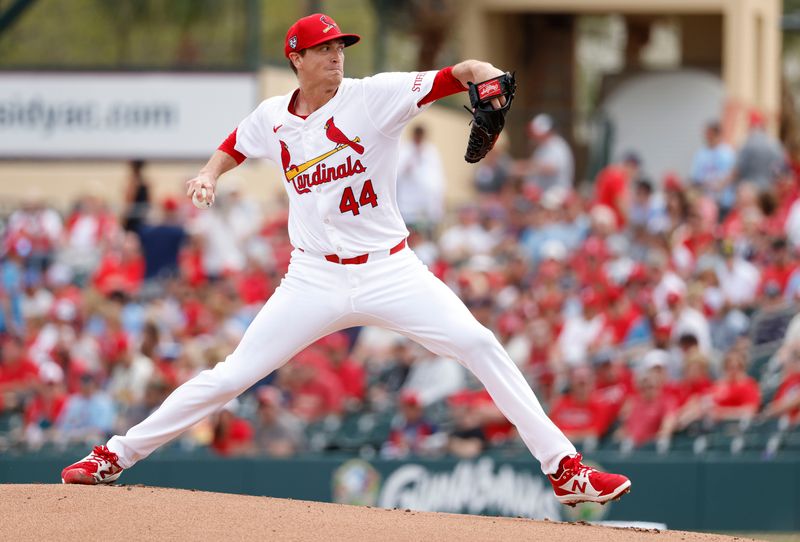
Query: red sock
x,y
560,470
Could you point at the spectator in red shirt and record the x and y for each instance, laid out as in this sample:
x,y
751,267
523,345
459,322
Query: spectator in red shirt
x,y
779,267
622,315
314,391
350,373
688,397
232,435
18,374
696,382
612,186
787,399
644,412
736,395
254,284
121,268
613,385
576,413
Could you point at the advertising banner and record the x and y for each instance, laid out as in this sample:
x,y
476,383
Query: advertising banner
x,y
120,115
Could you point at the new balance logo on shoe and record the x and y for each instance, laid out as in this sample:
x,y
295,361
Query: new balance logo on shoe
x,y
578,483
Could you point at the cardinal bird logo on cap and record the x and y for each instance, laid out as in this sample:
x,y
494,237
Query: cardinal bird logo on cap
x,y
338,137
328,24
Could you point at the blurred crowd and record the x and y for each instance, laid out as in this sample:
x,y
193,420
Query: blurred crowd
x,y
638,308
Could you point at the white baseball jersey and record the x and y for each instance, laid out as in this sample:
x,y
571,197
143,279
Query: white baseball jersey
x,y
340,163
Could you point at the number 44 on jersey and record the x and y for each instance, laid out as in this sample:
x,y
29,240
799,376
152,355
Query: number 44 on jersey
x,y
367,197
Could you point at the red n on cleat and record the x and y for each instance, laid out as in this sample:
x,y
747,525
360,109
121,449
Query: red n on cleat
x,y
577,483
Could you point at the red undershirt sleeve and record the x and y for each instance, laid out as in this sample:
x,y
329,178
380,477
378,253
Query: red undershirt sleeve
x,y
444,84
229,147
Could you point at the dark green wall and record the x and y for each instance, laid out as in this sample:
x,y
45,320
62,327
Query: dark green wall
x,y
720,494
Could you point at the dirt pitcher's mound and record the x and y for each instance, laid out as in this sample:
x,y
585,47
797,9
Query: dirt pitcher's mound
x,y
59,512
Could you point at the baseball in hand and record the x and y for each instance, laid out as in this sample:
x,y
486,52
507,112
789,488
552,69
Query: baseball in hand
x,y
200,199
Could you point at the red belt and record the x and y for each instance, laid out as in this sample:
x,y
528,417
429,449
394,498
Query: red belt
x,y
357,260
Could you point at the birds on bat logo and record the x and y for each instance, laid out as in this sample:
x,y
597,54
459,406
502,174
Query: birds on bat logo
x,y
302,181
328,24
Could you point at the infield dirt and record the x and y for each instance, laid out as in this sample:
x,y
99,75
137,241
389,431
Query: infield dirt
x,y
123,513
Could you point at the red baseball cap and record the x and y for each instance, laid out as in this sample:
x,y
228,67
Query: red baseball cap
x,y
313,30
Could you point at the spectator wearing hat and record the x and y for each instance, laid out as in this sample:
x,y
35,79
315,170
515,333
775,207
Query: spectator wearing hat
x,y
410,430
552,163
613,183
760,156
713,164
278,433
161,242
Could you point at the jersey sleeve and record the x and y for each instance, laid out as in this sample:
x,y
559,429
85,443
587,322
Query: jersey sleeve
x,y
392,99
444,84
229,147
251,134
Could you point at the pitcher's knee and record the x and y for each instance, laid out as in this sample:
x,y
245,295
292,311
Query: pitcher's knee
x,y
480,345
224,382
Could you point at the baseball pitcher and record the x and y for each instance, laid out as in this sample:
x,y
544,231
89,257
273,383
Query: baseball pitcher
x,y
336,141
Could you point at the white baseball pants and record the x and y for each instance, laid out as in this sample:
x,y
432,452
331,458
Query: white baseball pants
x,y
316,298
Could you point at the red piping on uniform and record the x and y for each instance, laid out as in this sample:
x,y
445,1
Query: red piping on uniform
x,y
229,147
444,84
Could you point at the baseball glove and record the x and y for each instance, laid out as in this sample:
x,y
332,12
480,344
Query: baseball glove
x,y
488,122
